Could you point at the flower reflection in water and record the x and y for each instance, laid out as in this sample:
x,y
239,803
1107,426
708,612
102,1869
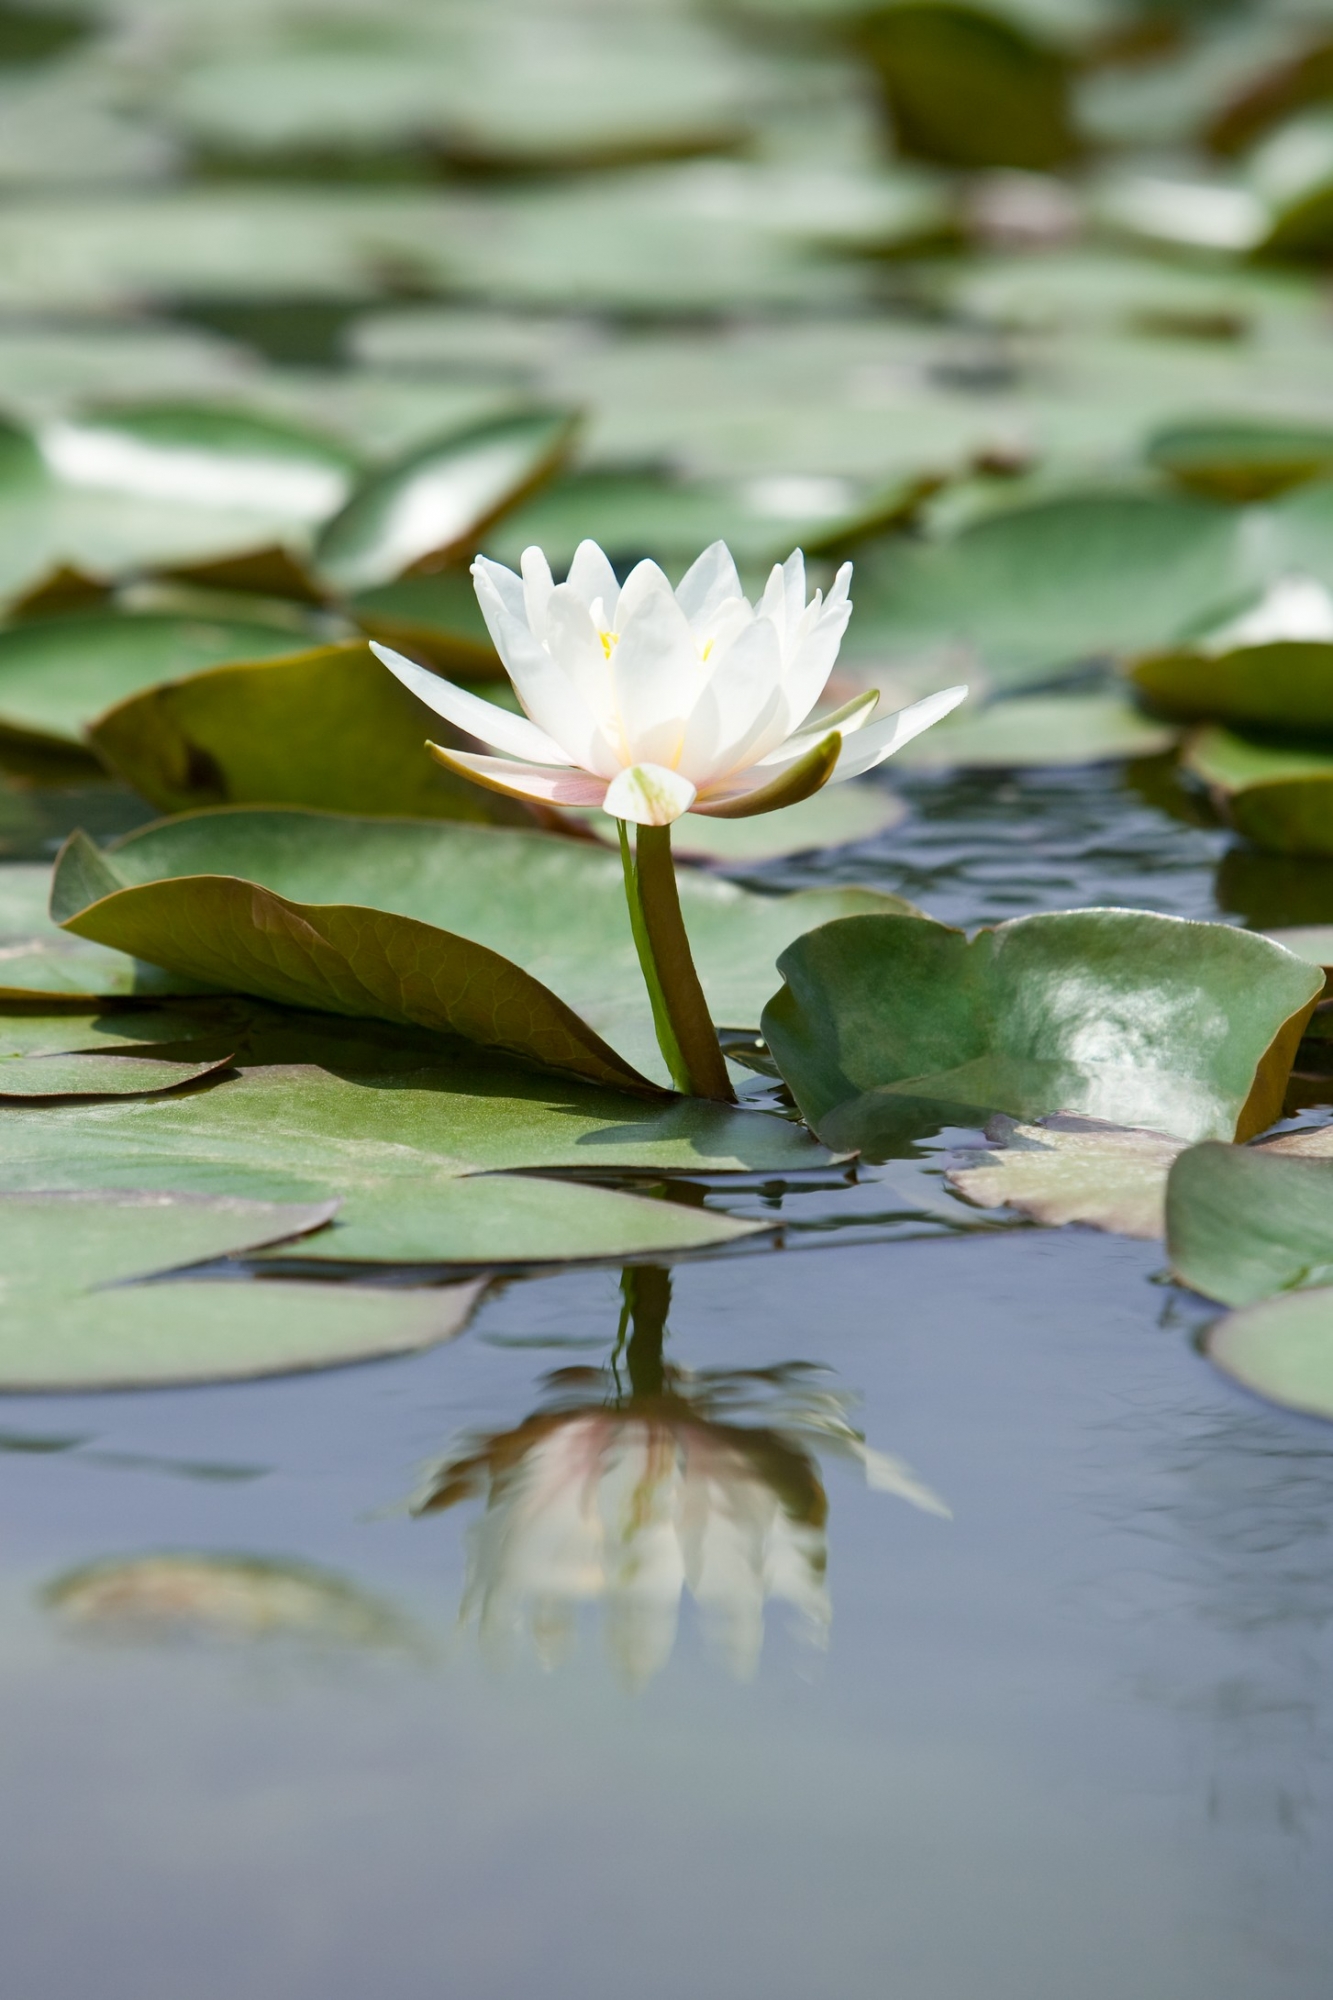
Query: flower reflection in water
x,y
641,1480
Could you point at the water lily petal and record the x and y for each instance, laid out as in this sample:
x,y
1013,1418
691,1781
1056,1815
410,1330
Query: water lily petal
x,y
737,705
747,793
706,586
468,712
793,586
538,583
853,715
523,781
542,685
648,794
811,662
591,576
655,670
872,745
506,586
575,645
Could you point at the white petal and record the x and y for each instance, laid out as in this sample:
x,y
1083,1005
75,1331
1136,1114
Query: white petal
x,y
810,664
543,687
591,576
576,647
853,715
706,586
649,794
506,586
524,781
655,671
793,583
513,734
537,587
871,746
737,706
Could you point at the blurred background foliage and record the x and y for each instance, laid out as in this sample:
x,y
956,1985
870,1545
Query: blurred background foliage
x,y
1021,303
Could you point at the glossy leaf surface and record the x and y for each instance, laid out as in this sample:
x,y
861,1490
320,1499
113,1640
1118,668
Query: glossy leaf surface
x,y
1187,1029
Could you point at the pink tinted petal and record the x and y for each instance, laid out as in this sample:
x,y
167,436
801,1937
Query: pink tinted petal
x,y
591,576
537,587
524,781
706,586
872,745
496,726
737,705
648,794
655,671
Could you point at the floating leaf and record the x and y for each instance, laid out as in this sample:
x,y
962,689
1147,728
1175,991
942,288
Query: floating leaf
x,y
75,1318
406,921
1288,683
837,816
38,960
198,1594
1228,762
435,504
1046,586
1075,1170
970,87
326,728
58,674
1183,1028
1282,1349
1231,458
1246,1221
1032,731
389,1120
1312,942
91,1075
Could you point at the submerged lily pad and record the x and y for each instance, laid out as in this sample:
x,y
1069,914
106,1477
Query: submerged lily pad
x,y
434,504
512,939
58,674
1066,1170
1282,1349
326,728
1183,1028
1244,1222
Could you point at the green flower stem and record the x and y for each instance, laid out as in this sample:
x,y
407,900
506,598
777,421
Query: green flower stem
x,y
685,1032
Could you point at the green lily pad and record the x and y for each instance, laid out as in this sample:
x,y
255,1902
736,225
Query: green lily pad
x,y
390,1121
1031,731
1228,762
327,728
1229,458
405,921
433,505
1046,586
99,1075
75,1318
1066,1170
1312,942
1287,815
58,674
837,816
971,86
1244,1222
1282,1349
1285,684
39,961
1183,1028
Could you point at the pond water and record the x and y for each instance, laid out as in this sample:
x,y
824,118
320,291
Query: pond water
x,y
1005,1626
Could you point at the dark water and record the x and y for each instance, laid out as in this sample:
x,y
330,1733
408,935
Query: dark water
x,y
1003,1663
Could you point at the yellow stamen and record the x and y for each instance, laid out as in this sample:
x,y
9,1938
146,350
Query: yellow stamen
x,y
609,640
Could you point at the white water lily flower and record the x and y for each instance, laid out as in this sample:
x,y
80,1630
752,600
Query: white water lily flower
x,y
652,702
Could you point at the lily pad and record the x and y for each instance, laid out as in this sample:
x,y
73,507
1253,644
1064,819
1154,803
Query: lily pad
x,y
433,618
76,1319
92,1075
1228,762
1032,731
433,505
1183,1028
326,728
404,921
1229,458
1066,1170
1047,586
1244,1222
1285,684
58,674
1282,1349
39,961
390,1122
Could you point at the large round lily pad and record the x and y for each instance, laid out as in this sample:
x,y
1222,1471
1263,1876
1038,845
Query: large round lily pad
x,y
1246,1221
1282,1349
